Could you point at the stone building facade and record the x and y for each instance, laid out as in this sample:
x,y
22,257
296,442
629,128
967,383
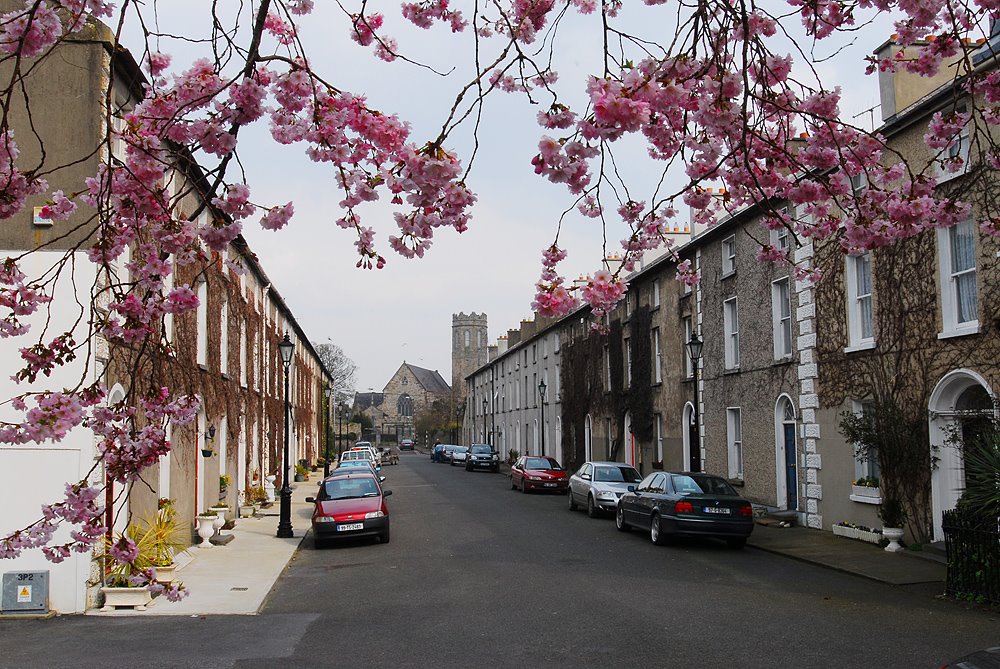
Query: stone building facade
x,y
469,344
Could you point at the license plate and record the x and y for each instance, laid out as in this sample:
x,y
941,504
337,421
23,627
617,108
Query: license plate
x,y
550,485
350,526
716,509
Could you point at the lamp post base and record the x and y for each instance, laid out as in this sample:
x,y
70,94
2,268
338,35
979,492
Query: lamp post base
x,y
285,513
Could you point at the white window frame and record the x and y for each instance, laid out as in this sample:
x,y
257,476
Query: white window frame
x,y
224,338
781,318
687,324
659,438
731,327
607,369
201,347
734,442
864,468
961,148
628,363
951,282
656,294
859,304
657,357
243,356
728,256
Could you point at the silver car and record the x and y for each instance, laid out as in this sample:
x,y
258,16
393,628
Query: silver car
x,y
599,486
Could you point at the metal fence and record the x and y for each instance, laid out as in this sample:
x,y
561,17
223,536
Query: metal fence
x,y
973,544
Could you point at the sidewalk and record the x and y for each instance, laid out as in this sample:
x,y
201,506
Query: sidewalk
x,y
235,579
853,557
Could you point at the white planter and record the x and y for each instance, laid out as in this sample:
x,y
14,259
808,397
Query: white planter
x,y
205,530
893,534
166,574
220,518
870,536
840,530
137,598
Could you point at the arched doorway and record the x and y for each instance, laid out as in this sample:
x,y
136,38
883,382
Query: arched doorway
x,y
689,432
957,399
786,475
630,444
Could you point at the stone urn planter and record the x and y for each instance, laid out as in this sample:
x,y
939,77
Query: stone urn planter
x,y
206,529
167,573
893,534
137,598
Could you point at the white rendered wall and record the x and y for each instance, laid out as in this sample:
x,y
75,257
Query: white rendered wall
x,y
35,474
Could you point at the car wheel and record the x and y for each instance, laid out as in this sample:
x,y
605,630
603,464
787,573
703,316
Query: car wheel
x,y
524,487
384,537
620,520
513,486
495,469
572,501
591,508
737,542
657,536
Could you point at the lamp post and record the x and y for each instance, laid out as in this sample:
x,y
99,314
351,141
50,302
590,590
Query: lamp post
x,y
341,411
694,347
541,414
486,403
326,424
286,347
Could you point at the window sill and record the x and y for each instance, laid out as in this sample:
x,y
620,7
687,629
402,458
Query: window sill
x,y
961,331
728,274
780,362
202,366
862,499
731,370
860,346
736,483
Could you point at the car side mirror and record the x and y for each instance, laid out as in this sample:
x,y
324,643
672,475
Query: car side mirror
x,y
386,493
585,477
311,500
631,488
381,479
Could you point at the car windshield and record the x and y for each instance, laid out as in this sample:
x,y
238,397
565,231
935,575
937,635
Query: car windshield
x,y
357,455
623,474
482,449
541,463
352,488
701,485
460,449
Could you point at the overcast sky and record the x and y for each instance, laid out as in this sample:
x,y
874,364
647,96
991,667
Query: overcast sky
x,y
404,311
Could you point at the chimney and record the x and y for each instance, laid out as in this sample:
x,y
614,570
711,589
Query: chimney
x,y
695,228
612,262
900,90
513,337
502,344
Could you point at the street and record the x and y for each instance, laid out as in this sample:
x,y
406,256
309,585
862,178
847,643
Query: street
x,y
477,574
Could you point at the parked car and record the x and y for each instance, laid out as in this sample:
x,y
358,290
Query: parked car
x,y
365,445
437,453
361,454
406,445
482,456
458,455
358,465
667,504
445,455
599,486
350,504
534,472
982,659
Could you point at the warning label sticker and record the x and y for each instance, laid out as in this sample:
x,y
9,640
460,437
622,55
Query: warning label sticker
x,y
24,594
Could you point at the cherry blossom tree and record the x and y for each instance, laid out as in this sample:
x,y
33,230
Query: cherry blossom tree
x,y
722,94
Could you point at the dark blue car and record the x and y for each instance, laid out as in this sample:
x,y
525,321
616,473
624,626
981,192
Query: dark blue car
x,y
437,453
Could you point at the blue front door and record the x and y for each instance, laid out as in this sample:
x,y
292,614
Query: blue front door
x,y
791,479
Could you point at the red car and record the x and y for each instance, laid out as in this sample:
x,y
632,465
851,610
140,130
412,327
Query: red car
x,y
350,504
534,472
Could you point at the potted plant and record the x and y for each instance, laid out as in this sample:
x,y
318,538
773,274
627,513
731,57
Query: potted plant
x,y
159,538
301,473
127,572
866,486
206,527
224,481
893,517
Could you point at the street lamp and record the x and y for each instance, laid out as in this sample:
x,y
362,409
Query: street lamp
x,y
485,404
341,412
326,424
541,413
286,347
694,347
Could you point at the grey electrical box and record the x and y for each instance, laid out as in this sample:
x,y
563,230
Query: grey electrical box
x,y
26,592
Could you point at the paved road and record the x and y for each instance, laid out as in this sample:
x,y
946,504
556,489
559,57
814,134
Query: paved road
x,y
477,574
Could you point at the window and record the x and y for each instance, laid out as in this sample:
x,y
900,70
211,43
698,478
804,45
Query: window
x,y
558,395
955,159
657,362
545,347
659,438
404,405
628,363
607,369
959,293
656,294
224,338
734,439
781,316
729,255
243,357
467,337
859,300
168,318
202,324
610,434
859,183
865,464
628,304
779,238
731,326
688,362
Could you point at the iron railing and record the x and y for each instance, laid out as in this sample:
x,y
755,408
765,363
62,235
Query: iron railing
x,y
973,544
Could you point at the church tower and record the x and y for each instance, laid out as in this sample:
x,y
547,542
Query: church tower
x,y
469,344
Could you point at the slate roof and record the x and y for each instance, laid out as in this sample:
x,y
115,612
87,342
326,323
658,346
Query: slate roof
x,y
364,400
430,379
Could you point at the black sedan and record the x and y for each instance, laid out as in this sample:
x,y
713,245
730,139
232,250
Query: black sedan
x,y
668,504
